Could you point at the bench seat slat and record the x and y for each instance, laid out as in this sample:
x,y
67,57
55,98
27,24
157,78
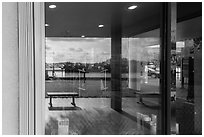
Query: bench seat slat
x,y
62,93
149,94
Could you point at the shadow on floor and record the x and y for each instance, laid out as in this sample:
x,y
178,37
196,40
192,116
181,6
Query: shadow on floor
x,y
134,118
149,105
51,127
64,108
139,121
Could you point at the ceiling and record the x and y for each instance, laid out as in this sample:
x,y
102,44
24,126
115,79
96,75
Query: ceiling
x,y
74,19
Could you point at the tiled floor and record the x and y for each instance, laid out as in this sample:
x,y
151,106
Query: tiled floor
x,y
93,116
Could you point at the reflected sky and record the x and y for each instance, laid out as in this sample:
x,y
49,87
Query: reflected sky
x,y
94,50
84,50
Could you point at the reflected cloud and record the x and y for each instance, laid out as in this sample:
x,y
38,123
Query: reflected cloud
x,y
63,39
86,50
105,53
76,49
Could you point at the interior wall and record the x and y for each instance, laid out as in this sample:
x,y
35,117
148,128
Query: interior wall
x,y
189,29
10,76
186,29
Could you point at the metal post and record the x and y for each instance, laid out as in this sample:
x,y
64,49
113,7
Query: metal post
x,y
105,81
53,68
182,77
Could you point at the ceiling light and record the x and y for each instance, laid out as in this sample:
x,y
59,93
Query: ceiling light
x,y
52,6
132,7
82,36
101,26
47,25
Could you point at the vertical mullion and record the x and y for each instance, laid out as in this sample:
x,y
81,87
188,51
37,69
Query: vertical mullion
x,y
33,47
31,69
168,66
23,86
26,69
173,10
165,71
39,66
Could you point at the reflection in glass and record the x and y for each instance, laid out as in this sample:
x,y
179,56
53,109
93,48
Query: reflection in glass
x,y
189,87
83,64
142,73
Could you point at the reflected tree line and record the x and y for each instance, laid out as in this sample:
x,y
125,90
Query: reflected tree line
x,y
88,67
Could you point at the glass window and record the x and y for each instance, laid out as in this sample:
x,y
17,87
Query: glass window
x,y
141,73
189,87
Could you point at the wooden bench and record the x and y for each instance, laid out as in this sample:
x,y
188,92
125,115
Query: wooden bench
x,y
62,94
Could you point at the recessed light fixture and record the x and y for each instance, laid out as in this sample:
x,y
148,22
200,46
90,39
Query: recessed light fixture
x,y
47,25
82,36
132,7
101,26
52,6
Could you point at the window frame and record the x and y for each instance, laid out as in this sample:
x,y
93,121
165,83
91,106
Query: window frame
x,y
31,68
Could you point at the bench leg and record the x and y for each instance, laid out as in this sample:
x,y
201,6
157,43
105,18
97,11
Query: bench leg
x,y
140,101
73,101
50,101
